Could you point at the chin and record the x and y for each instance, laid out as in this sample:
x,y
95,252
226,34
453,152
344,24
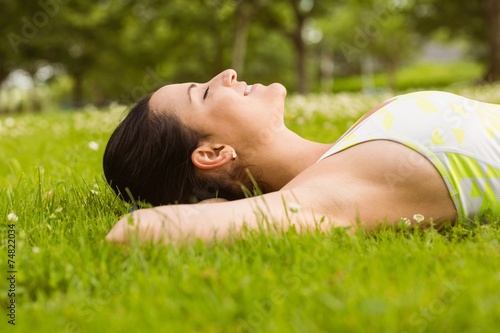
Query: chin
x,y
279,88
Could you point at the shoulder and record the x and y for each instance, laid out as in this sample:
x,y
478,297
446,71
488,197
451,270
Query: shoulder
x,y
363,161
374,181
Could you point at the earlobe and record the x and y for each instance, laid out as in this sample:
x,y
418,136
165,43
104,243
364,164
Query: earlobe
x,y
209,156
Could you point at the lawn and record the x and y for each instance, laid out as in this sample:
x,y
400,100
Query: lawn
x,y
422,75
62,276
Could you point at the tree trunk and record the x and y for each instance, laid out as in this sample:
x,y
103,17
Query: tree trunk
x,y
493,19
300,51
392,74
294,35
300,47
244,14
77,93
326,70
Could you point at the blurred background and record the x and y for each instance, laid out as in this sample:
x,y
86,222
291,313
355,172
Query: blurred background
x,y
66,54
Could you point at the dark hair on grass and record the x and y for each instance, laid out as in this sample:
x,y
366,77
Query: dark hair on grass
x,y
148,157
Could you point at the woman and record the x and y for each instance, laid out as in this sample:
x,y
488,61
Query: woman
x,y
421,158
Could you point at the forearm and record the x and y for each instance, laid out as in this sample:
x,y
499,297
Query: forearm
x,y
172,224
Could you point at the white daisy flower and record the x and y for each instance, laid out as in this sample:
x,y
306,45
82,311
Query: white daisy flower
x,y
418,217
12,217
93,145
293,207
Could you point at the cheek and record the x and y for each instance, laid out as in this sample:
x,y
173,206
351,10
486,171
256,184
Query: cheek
x,y
223,106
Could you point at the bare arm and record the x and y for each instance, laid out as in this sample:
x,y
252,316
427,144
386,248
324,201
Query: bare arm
x,y
174,223
359,187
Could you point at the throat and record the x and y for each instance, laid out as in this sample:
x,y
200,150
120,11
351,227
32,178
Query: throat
x,y
289,163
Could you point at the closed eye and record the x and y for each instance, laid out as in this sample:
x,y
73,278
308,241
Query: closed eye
x,y
206,93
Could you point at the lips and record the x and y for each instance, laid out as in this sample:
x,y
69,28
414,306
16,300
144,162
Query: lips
x,y
248,90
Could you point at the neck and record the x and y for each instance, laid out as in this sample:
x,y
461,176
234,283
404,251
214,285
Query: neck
x,y
281,162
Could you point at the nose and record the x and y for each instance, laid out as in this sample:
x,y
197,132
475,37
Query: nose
x,y
226,78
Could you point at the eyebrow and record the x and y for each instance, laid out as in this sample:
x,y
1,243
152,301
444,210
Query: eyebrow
x,y
189,91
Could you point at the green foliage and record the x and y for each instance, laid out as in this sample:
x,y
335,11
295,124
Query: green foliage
x,y
69,280
375,27
122,50
478,21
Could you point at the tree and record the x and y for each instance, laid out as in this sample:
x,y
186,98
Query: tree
x,y
76,35
477,21
290,17
244,14
370,29
493,22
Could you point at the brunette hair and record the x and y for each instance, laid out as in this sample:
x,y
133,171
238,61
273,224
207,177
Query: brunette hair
x,y
148,157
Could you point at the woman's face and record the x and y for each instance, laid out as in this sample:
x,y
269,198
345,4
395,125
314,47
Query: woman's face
x,y
226,109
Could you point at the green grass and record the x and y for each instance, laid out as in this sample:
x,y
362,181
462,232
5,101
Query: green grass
x,y
419,76
69,280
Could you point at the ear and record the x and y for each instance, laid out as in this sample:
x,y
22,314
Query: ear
x,y
210,156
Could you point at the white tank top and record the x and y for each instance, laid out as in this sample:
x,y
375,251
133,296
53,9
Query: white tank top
x,y
459,136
